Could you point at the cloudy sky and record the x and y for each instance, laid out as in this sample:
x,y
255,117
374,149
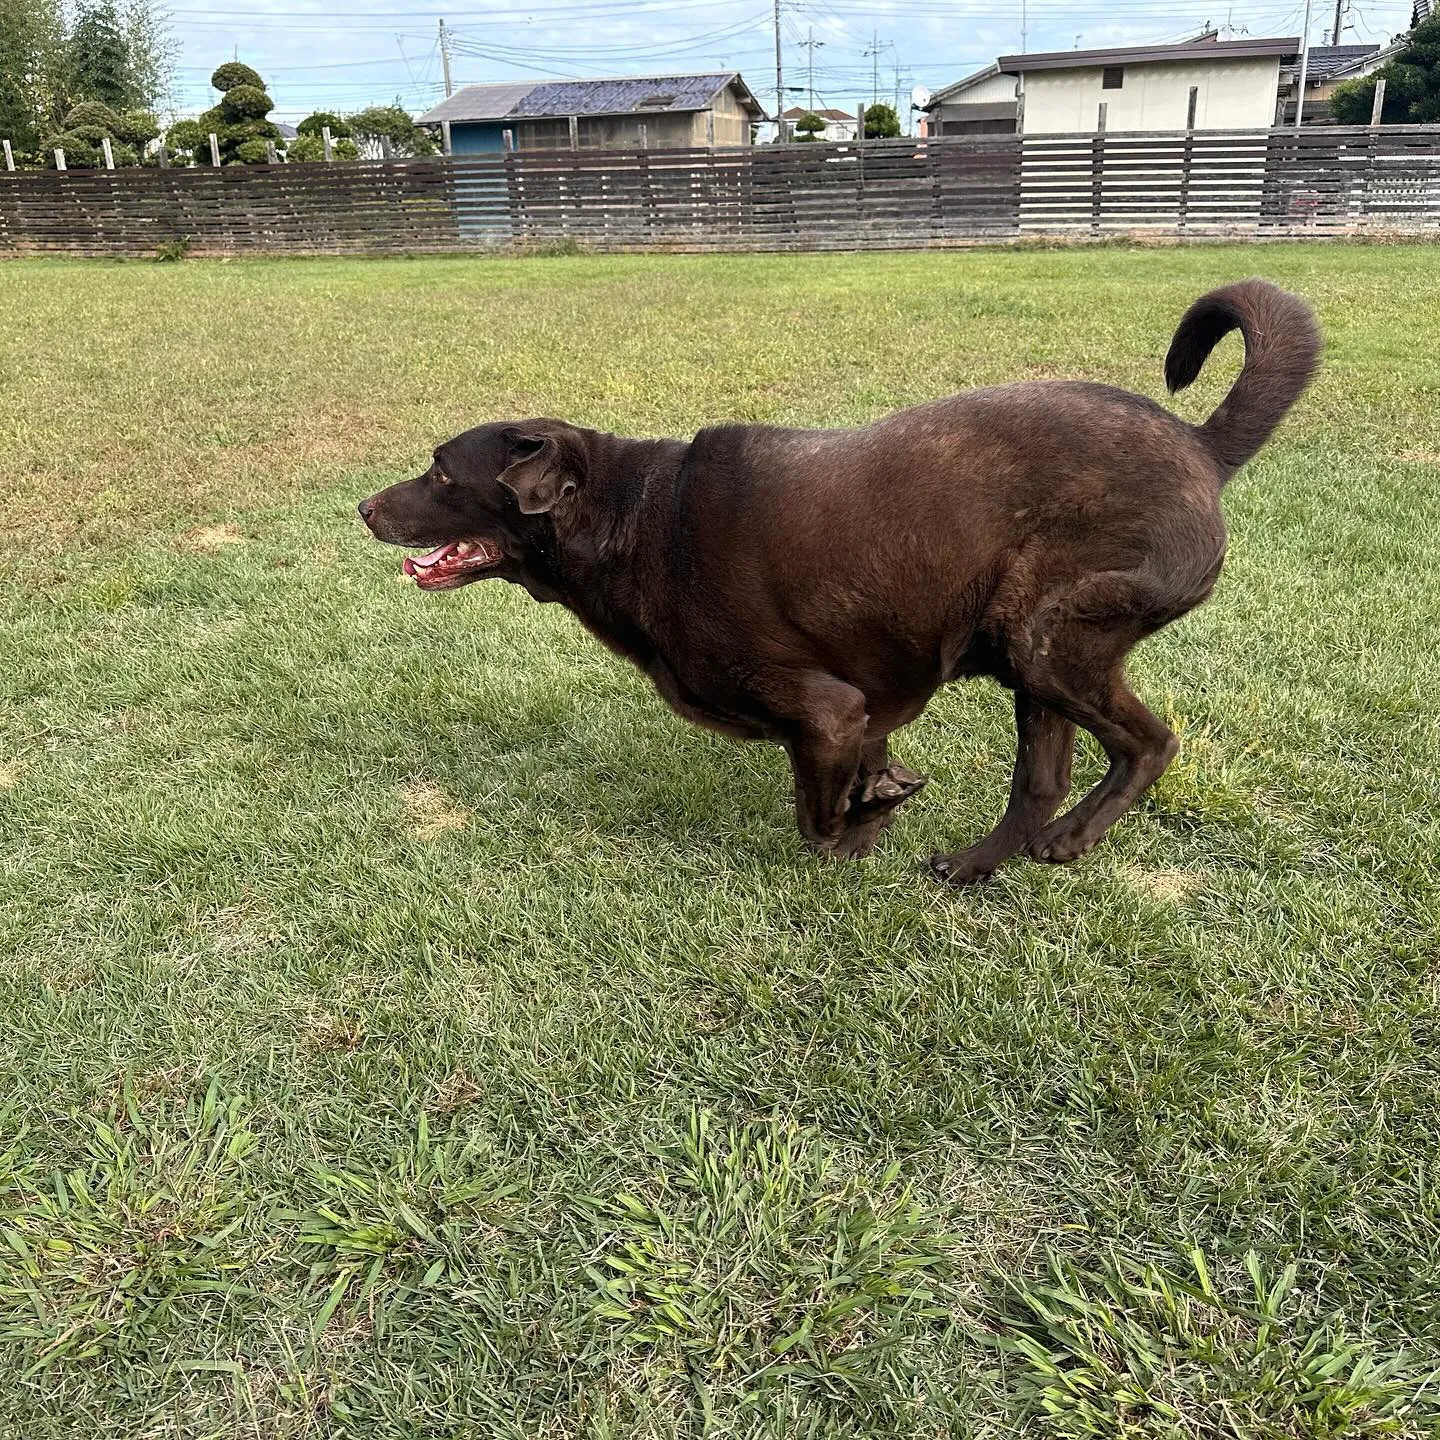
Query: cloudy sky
x,y
351,53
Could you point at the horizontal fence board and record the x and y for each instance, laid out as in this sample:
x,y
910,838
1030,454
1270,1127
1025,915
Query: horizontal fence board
x,y
896,194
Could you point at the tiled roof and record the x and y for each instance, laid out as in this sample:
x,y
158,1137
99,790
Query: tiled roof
x,y
629,95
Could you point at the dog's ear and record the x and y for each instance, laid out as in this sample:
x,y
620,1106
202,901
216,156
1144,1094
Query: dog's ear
x,y
543,469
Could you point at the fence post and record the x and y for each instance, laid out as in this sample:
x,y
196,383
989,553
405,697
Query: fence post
x,y
109,153
387,150
1097,171
445,138
328,143
574,132
9,157
272,156
709,129
214,150
508,138
162,156
1379,104
1100,119
59,158
644,136
1187,158
859,122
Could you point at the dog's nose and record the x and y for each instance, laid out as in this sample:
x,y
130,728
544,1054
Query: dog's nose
x,y
366,509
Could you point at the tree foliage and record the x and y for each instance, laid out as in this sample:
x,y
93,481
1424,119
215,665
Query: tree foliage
x,y
117,58
99,59
1412,84
151,51
393,123
31,36
809,127
233,73
881,122
309,149
315,125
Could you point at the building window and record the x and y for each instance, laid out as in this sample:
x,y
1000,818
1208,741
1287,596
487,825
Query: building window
x,y
1113,77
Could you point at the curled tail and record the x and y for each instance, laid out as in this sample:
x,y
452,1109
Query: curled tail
x,y
1282,349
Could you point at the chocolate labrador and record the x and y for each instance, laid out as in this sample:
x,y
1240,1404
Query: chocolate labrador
x,y
816,587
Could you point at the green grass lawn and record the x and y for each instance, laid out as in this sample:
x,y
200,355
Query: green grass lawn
x,y
411,1029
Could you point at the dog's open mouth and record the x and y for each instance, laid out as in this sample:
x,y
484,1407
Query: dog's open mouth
x,y
448,565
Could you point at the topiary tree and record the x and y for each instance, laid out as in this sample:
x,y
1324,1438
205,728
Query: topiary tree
x,y
315,125
87,127
238,121
1412,84
809,127
881,122
393,123
92,112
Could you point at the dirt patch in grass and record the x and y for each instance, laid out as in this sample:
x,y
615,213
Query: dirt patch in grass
x,y
433,812
9,778
1167,886
1421,457
209,538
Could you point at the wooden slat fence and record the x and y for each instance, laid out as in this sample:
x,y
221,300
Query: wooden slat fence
x,y
900,194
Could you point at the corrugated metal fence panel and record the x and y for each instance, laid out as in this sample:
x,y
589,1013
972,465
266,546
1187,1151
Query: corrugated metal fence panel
x,y
906,194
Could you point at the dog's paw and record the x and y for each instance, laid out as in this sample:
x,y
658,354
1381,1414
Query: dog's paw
x,y
965,867
891,787
1060,845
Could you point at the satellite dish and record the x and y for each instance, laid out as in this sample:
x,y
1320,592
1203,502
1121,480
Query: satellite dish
x,y
919,98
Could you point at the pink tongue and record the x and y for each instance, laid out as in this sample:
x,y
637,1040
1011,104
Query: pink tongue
x,y
433,558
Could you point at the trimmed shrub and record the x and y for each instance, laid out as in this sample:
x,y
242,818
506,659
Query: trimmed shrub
x,y
246,102
233,73
314,124
92,113
136,127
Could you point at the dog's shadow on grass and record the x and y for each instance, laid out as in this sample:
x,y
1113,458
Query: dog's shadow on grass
x,y
649,779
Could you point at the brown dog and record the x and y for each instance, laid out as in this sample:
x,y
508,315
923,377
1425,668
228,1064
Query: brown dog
x,y
816,587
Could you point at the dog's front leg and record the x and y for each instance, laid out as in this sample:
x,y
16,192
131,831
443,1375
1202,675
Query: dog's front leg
x,y
826,724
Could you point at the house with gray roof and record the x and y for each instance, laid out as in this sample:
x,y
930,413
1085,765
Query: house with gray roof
x,y
1326,67
1211,83
660,111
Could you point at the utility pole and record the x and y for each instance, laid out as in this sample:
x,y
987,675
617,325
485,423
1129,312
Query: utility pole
x,y
1304,67
811,44
445,60
1023,26
1339,21
874,53
779,82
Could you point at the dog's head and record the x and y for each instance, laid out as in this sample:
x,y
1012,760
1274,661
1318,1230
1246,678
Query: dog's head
x,y
484,507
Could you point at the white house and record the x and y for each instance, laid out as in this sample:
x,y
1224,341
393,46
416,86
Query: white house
x,y
839,125
1208,83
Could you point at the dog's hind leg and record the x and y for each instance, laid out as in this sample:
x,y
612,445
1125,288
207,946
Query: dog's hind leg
x,y
1044,749
1075,666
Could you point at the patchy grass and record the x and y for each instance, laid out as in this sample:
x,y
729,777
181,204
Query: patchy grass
x,y
412,1029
